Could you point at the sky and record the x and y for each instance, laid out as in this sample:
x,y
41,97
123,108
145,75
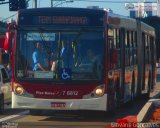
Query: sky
x,y
118,8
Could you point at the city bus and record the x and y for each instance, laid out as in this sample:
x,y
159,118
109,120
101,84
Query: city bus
x,y
123,66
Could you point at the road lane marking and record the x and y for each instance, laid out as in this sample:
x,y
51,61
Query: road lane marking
x,y
13,116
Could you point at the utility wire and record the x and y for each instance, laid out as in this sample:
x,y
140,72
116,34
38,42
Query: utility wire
x,y
59,4
9,17
4,3
62,2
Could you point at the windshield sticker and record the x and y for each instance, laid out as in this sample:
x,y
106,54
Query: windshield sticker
x,y
33,36
43,74
65,73
30,74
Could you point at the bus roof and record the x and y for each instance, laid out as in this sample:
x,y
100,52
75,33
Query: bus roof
x,y
60,9
120,21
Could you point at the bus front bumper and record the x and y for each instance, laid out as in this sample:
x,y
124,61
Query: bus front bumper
x,y
99,104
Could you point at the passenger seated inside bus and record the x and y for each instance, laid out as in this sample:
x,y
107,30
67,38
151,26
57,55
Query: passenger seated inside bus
x,y
89,58
40,59
92,62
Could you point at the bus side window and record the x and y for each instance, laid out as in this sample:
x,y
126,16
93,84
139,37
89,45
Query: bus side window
x,y
146,49
128,48
114,49
134,51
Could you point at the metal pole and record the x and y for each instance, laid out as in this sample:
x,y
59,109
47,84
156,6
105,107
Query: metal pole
x,y
35,3
4,3
51,3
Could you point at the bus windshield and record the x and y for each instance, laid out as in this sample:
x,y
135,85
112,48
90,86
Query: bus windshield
x,y
63,55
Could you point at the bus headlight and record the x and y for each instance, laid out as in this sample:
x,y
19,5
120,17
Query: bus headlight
x,y
19,90
99,91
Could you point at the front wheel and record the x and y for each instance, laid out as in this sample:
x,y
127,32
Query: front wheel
x,y
1,103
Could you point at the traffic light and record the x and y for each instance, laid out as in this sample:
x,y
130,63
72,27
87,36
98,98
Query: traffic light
x,y
13,5
22,4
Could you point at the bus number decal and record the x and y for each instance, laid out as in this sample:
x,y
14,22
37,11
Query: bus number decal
x,y
70,93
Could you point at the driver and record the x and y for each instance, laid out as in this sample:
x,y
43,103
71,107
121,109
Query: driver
x,y
39,56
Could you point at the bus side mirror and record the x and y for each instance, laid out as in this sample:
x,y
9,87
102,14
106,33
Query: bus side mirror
x,y
114,56
8,41
9,38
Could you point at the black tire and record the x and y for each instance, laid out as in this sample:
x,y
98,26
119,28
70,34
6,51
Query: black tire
x,y
1,103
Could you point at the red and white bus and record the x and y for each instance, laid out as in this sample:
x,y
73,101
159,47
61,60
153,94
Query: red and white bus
x,y
123,67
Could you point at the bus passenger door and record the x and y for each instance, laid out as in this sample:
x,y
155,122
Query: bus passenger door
x,y
146,65
128,65
114,68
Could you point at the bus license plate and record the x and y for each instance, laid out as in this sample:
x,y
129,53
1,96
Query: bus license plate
x,y
58,104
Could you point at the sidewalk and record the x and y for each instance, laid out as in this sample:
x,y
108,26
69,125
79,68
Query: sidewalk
x,y
150,112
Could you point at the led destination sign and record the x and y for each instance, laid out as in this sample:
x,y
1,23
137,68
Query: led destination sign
x,y
79,20
61,20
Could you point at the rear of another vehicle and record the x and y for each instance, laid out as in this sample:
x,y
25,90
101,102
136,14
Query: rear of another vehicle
x,y
5,88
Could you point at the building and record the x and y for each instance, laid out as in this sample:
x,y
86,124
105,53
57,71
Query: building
x,y
142,9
